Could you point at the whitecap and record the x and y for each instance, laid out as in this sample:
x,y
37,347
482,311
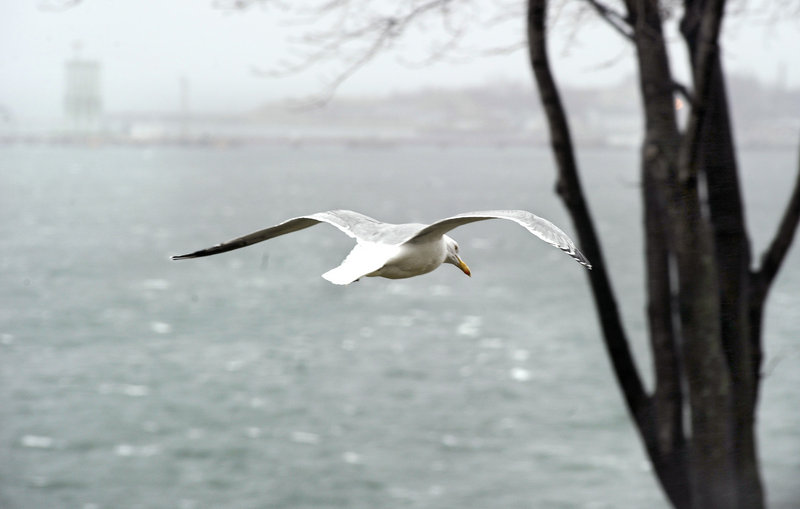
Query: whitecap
x,y
160,327
351,457
124,450
156,284
450,440
136,391
234,365
470,326
304,437
133,390
36,441
521,374
144,451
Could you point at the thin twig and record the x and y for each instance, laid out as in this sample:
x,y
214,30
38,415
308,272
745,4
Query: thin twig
x,y
775,254
616,20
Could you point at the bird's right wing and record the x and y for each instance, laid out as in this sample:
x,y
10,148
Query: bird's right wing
x,y
538,226
351,223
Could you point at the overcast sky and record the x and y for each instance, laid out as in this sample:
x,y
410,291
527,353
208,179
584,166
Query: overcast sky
x,y
146,46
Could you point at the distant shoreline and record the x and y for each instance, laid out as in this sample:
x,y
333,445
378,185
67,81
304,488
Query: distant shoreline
x,y
377,141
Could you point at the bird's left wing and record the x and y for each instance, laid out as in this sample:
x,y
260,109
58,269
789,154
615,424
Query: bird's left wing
x,y
351,223
538,226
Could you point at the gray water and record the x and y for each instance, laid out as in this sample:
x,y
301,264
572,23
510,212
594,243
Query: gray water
x,y
247,381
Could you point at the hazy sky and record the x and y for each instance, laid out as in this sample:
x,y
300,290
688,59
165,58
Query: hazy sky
x,y
146,46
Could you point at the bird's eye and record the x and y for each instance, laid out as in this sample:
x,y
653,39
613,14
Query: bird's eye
x,y
456,248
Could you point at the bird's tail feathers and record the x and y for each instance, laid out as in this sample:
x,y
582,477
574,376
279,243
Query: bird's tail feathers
x,y
341,276
361,261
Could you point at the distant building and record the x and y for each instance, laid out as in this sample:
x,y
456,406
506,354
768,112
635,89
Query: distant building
x,y
83,104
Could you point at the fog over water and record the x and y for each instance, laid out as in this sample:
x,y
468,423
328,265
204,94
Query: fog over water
x,y
147,47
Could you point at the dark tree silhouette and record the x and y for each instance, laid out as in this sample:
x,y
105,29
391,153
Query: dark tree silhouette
x,y
705,304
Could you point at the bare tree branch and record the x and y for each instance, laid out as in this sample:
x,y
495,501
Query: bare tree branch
x,y
773,257
377,45
716,160
358,35
620,23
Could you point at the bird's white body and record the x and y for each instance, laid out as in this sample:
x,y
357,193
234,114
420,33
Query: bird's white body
x,y
397,251
392,261
414,259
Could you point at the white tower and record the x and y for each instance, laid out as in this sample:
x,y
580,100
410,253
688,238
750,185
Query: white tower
x,y
83,105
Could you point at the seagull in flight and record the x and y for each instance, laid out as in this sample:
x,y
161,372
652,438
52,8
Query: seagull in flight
x,y
397,251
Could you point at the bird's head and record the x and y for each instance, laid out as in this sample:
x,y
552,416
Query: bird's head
x,y
452,255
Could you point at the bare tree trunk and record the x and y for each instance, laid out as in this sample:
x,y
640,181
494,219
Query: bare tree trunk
x,y
698,470
707,380
667,156
706,343
658,419
668,401
717,160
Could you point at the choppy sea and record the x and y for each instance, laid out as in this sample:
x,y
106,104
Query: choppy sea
x,y
245,380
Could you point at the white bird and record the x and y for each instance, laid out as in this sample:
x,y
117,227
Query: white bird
x,y
397,251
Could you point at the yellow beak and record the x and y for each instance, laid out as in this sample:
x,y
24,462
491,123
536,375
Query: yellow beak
x,y
464,268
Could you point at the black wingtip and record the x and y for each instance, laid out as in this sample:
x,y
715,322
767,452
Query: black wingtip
x,y
581,258
577,256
